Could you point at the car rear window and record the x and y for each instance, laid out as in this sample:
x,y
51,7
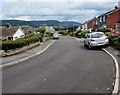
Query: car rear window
x,y
97,35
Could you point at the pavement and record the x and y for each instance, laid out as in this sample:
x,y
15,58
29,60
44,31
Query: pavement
x,y
65,67
116,54
25,54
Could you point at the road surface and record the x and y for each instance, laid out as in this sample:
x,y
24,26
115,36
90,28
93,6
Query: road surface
x,y
65,67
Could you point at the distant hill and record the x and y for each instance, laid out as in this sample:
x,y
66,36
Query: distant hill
x,y
38,23
71,23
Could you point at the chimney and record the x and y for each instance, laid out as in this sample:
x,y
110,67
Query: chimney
x,y
8,25
116,7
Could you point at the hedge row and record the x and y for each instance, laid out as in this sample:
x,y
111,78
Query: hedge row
x,y
79,34
19,43
107,33
115,42
104,30
64,32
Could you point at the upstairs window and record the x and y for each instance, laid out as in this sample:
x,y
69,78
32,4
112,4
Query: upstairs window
x,y
104,18
96,22
101,19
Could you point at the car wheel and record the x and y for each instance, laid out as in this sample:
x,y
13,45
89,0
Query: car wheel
x,y
85,44
89,46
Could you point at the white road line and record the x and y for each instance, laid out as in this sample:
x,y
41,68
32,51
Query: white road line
x,y
116,86
26,58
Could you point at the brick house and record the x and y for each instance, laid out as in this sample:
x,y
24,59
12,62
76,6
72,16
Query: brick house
x,y
112,18
102,21
90,24
95,23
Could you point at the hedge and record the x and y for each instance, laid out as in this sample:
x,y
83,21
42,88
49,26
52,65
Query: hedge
x,y
104,30
81,34
107,33
19,43
64,32
115,42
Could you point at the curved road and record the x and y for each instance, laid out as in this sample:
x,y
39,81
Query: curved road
x,y
65,67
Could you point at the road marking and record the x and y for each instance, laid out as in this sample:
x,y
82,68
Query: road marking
x,y
116,86
26,58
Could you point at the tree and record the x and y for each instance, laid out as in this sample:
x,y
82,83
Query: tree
x,y
42,31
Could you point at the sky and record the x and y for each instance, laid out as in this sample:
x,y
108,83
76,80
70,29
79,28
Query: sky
x,y
62,10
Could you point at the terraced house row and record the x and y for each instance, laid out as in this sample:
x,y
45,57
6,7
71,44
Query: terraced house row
x,y
110,19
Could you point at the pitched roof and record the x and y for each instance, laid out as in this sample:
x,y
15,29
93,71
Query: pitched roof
x,y
109,12
113,11
27,29
6,32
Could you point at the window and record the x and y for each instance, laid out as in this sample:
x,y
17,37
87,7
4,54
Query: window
x,y
104,18
96,22
100,19
15,37
98,35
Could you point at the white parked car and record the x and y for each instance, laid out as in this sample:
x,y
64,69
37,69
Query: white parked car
x,y
96,39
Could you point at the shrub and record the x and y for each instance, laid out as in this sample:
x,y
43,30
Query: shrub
x,y
77,32
104,30
81,34
115,42
19,43
107,33
64,32
46,35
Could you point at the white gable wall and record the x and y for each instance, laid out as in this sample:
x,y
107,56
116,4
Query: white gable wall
x,y
19,33
52,30
79,28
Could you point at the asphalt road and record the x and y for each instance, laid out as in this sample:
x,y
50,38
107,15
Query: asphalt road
x,y
65,67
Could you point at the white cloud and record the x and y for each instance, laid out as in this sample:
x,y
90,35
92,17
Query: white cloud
x,y
34,10
60,0
21,18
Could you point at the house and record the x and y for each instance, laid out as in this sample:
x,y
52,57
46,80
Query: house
x,y
112,18
95,23
79,28
102,21
90,24
84,26
11,33
29,29
50,29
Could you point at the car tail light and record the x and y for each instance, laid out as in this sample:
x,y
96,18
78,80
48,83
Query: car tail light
x,y
106,38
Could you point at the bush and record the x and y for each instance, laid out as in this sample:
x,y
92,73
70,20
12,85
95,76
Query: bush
x,y
19,43
104,30
64,32
107,33
115,42
81,34
77,32
47,35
